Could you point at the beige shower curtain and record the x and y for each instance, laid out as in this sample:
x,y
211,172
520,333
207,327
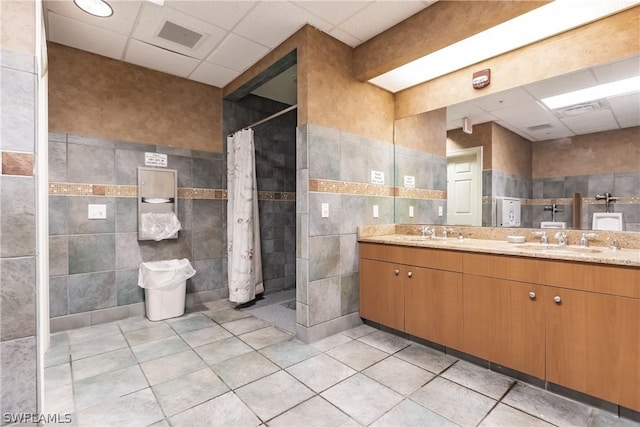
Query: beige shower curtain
x,y
243,226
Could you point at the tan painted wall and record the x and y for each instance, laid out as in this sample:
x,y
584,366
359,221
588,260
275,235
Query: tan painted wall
x,y
17,25
337,100
613,151
425,132
97,96
511,152
481,137
433,28
602,41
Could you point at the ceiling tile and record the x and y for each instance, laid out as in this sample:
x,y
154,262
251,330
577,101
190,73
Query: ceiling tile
x,y
224,14
70,32
121,22
628,121
597,121
237,53
213,75
525,115
345,37
623,105
148,56
502,100
289,17
379,16
152,19
618,70
331,11
562,84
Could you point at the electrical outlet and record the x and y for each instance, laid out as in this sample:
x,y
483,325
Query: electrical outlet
x,y
440,210
97,212
376,212
325,210
410,211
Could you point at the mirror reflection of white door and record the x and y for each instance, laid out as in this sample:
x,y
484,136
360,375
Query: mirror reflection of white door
x,y
464,187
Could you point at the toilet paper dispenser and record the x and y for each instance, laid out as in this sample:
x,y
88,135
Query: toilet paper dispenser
x,y
157,204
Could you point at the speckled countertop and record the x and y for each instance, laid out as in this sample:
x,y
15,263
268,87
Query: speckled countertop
x,y
396,235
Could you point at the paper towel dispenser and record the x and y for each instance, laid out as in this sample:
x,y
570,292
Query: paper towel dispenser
x,y
157,203
508,212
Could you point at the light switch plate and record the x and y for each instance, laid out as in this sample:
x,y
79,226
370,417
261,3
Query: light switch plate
x,y
376,212
410,211
325,210
440,211
97,212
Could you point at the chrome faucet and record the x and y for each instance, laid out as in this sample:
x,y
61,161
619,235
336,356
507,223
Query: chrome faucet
x,y
446,231
608,198
561,237
543,236
584,240
428,231
613,244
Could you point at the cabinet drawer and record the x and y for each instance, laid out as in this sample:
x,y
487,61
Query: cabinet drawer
x,y
407,255
518,269
621,281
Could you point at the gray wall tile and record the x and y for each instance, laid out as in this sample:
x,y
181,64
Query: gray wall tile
x,y
18,376
57,161
17,222
350,293
77,215
128,254
18,298
319,226
90,141
17,60
57,215
126,214
349,261
324,157
210,274
90,164
92,291
89,253
207,173
128,291
324,257
58,296
17,111
126,165
183,165
324,300
58,255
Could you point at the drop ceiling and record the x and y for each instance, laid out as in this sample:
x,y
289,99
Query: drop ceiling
x,y
522,111
235,34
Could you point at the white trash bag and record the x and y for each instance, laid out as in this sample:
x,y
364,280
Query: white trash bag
x,y
159,274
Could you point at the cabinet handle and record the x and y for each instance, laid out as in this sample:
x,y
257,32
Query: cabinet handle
x,y
532,295
410,274
396,272
557,299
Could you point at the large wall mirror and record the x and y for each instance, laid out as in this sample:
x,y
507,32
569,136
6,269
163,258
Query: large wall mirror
x,y
558,163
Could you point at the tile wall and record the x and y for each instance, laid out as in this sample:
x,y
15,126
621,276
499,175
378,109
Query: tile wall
x,y
334,167
94,264
275,147
18,230
502,184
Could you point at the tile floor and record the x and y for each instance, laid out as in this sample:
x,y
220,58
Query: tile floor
x,y
227,367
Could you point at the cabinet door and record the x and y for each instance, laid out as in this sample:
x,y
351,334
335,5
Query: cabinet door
x,y
382,293
593,344
504,323
433,306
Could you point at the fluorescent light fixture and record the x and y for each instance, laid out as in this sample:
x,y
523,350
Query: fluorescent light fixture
x,y
546,21
593,93
98,8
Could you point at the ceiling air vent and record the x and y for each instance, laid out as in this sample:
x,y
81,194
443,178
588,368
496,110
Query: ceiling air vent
x,y
539,127
179,34
576,110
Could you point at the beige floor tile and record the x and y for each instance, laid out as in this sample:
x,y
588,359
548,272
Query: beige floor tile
x,y
357,354
398,375
315,412
320,372
188,390
243,369
225,410
173,366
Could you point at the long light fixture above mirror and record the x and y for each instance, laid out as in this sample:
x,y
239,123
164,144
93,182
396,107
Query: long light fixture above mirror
x,y
546,21
593,93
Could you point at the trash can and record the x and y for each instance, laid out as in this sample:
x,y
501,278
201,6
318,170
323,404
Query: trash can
x,y
165,286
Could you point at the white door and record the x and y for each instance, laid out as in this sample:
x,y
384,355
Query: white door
x,y
464,187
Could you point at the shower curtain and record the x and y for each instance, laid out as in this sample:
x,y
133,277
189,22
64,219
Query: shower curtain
x,y
243,226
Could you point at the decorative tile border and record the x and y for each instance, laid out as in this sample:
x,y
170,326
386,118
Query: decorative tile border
x,y
19,164
419,193
73,189
354,188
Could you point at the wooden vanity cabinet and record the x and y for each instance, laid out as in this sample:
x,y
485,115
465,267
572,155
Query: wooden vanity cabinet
x,y
593,344
407,295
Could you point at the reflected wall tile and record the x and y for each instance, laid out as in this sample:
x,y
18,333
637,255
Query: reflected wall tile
x,y
184,167
17,112
92,291
126,164
58,255
553,188
58,296
626,184
18,298
126,214
88,253
17,222
207,214
57,215
127,251
77,219
127,289
90,164
207,173
324,300
57,161
91,141
600,184
18,375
